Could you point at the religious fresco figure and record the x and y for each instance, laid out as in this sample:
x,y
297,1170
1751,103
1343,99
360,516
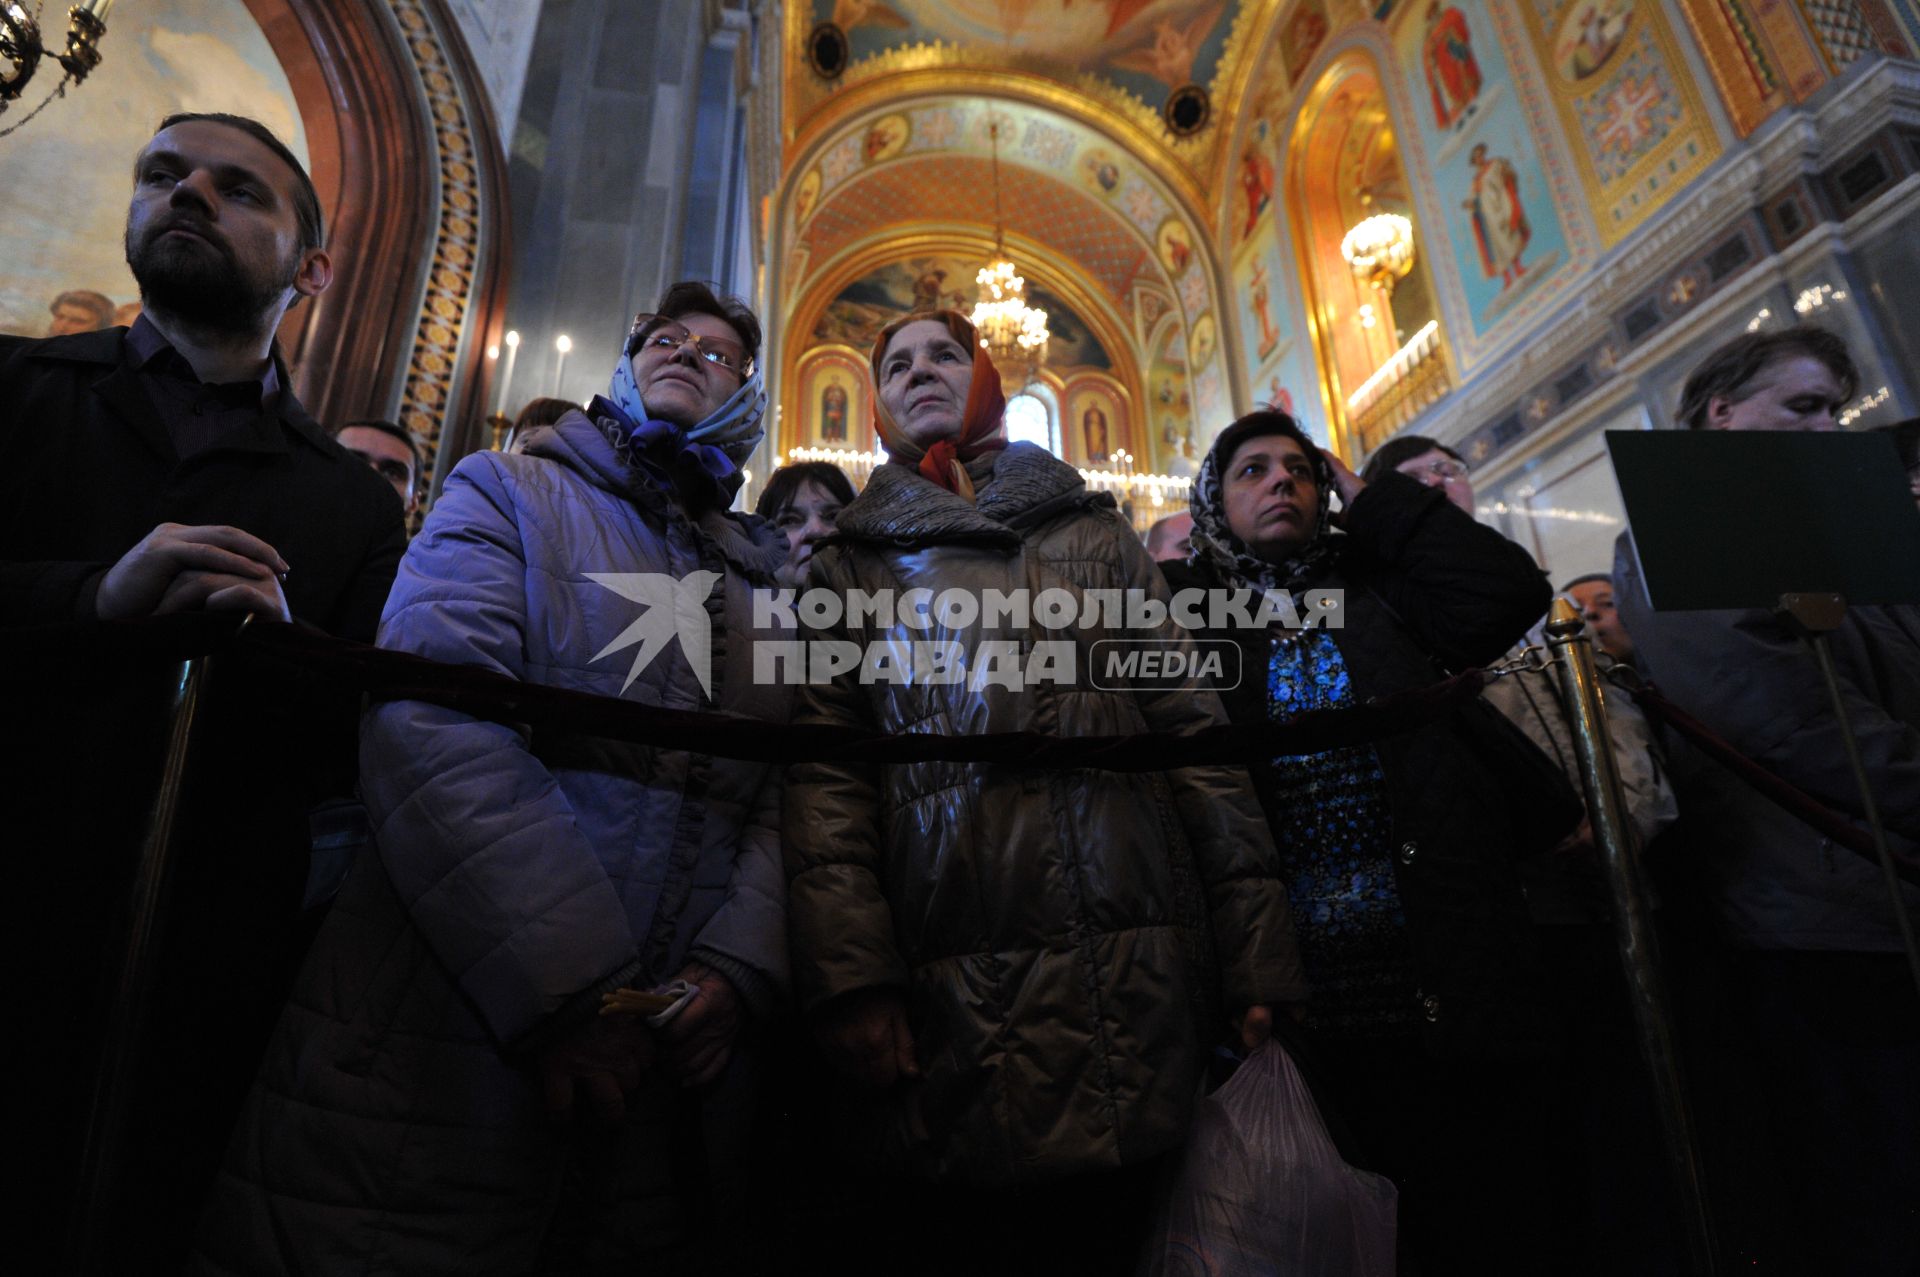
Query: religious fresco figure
x,y
1260,293
1093,427
1170,52
927,289
1453,73
1590,33
833,413
1174,245
1500,226
885,138
848,14
1256,179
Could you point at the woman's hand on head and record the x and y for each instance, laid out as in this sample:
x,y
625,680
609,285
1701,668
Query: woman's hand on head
x,y
1345,482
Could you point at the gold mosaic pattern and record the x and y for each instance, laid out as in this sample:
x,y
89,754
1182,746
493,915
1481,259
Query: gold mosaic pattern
x,y
445,307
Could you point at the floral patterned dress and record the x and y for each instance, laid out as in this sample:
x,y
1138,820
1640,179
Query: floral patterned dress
x,y
1336,850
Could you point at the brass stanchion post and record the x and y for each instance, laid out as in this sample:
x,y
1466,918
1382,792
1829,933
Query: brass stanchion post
x,y
126,1017
1633,921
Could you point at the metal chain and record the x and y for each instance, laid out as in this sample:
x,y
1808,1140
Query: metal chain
x,y
1536,658
1530,659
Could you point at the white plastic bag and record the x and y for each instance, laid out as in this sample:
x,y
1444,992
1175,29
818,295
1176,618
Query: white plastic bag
x,y
1262,1192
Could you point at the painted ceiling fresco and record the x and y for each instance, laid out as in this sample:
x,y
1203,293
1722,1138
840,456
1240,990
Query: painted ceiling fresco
x,y
1123,58
860,310
68,185
1147,46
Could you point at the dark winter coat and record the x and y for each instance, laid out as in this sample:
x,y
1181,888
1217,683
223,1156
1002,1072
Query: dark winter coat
x,y
1035,921
91,470
1428,589
1774,882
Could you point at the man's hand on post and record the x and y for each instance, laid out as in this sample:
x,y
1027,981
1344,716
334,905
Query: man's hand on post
x,y
224,592
700,1039
143,582
865,1035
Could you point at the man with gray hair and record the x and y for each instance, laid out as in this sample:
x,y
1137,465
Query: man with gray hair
x,y
1819,1018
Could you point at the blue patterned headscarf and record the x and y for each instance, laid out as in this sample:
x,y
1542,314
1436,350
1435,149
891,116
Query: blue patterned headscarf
x,y
702,461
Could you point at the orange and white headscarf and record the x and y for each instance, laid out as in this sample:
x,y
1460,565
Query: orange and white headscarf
x,y
945,462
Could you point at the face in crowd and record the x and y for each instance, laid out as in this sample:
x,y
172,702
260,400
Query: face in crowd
x,y
1169,539
1595,601
925,376
213,236
1436,469
389,457
688,366
1272,497
1794,392
804,520
76,315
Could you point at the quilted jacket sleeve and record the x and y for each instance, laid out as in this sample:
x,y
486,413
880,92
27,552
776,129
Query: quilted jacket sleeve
x,y
1252,921
476,835
836,902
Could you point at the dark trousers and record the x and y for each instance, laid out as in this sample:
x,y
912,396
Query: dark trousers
x,y
1617,1205
1808,1084
1094,1223
1466,1144
677,1187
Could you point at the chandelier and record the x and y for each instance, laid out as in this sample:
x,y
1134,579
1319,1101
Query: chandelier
x,y
21,50
1379,250
1014,333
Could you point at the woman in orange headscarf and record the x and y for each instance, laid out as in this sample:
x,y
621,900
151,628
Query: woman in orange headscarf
x,y
1012,962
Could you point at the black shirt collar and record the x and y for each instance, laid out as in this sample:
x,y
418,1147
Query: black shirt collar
x,y
149,351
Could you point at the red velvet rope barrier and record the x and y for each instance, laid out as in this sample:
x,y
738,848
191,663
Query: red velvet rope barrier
x,y
1783,793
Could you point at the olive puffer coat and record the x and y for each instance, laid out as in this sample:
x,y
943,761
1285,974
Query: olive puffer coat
x,y
1048,929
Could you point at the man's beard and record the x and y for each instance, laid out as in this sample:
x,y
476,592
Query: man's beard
x,y
201,283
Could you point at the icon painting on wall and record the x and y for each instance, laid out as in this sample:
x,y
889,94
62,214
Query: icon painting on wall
x,y
1452,72
832,408
1095,429
885,138
1174,245
1500,227
1305,31
833,412
1588,35
1505,236
806,197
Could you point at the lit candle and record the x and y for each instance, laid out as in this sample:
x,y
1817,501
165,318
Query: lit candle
x,y
563,344
506,378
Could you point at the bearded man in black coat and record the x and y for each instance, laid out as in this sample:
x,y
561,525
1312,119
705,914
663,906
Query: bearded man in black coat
x,y
168,468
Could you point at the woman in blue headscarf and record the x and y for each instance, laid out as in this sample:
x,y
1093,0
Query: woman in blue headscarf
x,y
413,1114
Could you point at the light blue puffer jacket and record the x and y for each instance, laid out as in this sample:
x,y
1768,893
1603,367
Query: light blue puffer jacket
x,y
396,1125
